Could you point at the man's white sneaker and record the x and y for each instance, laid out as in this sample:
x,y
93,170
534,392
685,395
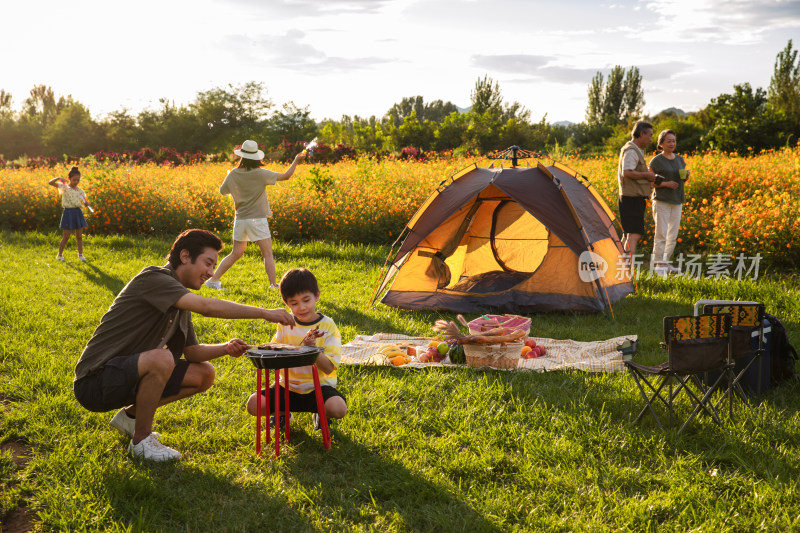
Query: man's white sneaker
x,y
216,285
123,422
151,449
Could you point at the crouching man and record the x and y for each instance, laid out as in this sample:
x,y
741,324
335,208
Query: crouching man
x,y
145,354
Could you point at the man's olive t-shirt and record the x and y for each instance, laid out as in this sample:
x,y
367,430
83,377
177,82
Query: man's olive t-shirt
x,y
141,318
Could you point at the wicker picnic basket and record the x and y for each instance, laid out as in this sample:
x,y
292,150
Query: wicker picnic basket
x,y
493,355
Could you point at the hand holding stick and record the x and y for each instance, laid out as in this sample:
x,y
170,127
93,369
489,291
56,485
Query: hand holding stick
x,y
312,336
236,347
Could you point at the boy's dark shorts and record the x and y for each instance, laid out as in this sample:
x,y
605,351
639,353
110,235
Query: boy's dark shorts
x,y
631,213
302,403
116,384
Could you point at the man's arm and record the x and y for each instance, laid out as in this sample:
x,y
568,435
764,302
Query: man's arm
x,y
629,162
216,308
636,175
205,352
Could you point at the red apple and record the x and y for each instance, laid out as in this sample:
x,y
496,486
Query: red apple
x,y
542,350
531,343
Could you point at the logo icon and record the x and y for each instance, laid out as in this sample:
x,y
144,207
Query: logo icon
x,y
591,266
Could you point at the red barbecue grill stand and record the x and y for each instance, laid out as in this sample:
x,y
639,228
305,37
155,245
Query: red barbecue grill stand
x,y
323,419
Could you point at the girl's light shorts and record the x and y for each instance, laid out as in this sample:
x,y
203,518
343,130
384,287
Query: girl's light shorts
x,y
251,229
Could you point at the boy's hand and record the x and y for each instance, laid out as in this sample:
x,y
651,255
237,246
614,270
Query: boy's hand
x,y
311,337
236,347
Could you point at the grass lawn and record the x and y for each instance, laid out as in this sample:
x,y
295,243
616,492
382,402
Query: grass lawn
x,y
437,449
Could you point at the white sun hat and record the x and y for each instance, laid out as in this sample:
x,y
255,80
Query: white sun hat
x,y
249,150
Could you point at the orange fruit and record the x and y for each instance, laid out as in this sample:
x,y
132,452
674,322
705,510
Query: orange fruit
x,y
525,349
433,344
399,360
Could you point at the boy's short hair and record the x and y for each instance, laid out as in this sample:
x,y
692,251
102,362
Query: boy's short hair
x,y
296,281
195,241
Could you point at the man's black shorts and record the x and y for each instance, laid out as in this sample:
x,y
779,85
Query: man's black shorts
x,y
116,384
631,213
302,403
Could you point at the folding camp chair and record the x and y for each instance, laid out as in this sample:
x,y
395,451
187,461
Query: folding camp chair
x,y
747,321
695,344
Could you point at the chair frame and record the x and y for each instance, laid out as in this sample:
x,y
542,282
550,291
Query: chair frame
x,y
738,312
672,372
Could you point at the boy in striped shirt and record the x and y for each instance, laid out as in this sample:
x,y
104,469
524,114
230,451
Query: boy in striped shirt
x,y
300,292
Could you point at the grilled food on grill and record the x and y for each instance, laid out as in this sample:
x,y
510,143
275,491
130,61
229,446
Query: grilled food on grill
x,y
278,346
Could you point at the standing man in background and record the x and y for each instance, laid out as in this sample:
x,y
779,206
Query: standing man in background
x,y
635,184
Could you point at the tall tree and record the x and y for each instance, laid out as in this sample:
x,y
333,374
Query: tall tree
x,y
434,111
614,95
594,109
742,122
73,132
784,87
633,101
399,111
42,107
486,97
291,123
618,101
5,103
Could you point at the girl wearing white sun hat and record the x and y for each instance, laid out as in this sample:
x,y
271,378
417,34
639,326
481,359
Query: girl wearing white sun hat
x,y
247,183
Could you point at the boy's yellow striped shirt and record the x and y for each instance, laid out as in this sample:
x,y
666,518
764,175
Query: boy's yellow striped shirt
x,y
301,379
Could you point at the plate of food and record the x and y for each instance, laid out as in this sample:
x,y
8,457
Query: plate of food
x,y
277,355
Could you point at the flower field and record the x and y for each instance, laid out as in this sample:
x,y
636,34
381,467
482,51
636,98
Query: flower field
x,y
734,205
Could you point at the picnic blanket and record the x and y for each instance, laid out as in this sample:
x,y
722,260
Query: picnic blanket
x,y
592,356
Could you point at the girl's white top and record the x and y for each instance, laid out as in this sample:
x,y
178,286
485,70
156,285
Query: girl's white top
x,y
70,197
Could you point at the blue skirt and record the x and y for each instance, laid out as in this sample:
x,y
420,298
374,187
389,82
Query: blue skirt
x,y
72,218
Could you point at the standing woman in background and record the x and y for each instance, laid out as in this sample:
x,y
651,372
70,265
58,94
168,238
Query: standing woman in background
x,y
247,185
72,219
668,198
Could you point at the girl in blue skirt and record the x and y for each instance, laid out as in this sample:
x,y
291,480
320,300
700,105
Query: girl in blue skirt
x,y
72,197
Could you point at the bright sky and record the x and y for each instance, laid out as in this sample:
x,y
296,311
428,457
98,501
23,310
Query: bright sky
x,y
358,57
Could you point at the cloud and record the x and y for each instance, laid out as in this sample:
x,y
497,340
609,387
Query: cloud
x,y
528,68
291,52
516,64
663,71
307,8
725,21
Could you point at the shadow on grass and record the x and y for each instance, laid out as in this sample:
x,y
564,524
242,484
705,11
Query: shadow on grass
x,y
369,323
99,277
179,497
367,487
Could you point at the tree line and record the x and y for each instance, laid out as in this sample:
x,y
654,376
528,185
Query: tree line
x,y
742,121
